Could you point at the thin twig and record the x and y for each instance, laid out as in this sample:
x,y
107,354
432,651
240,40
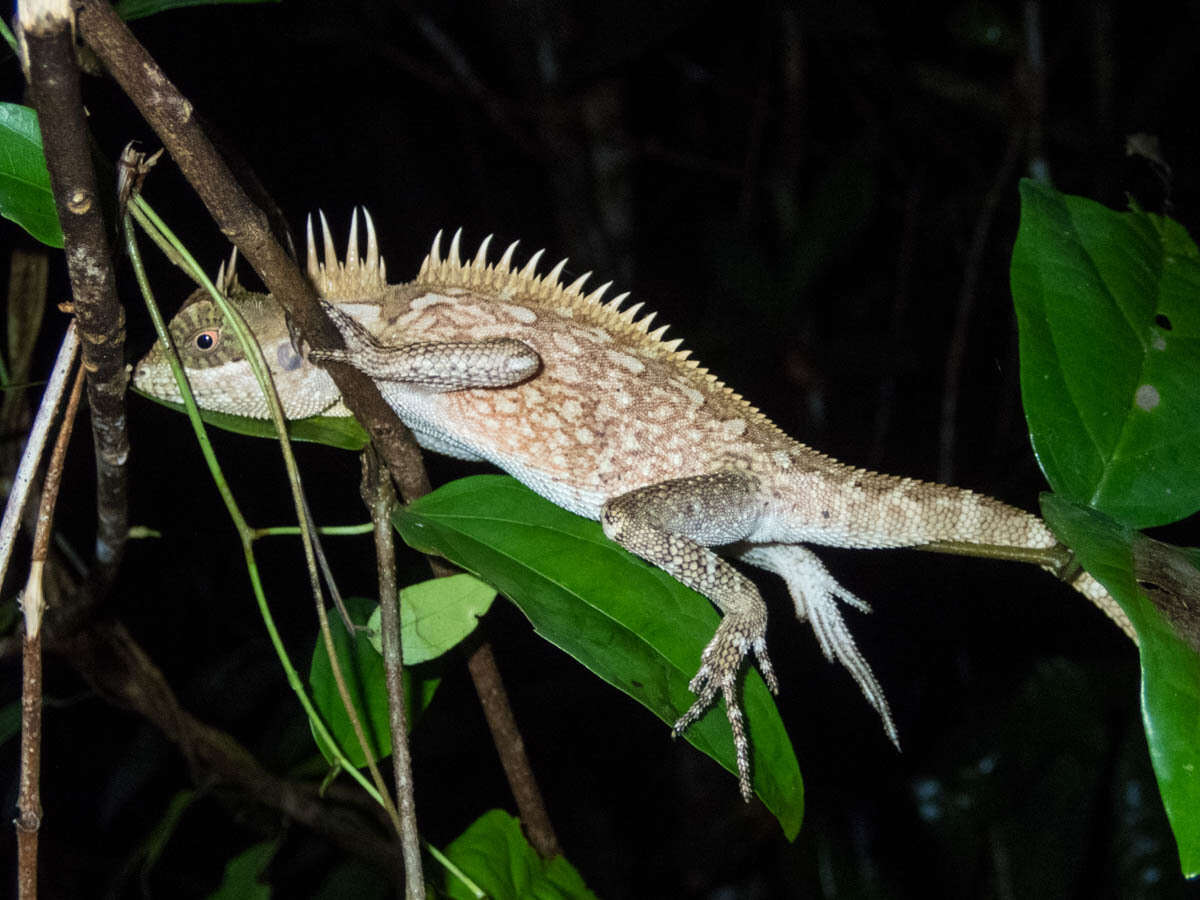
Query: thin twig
x,y
108,657
171,116
906,251
757,120
500,110
507,738
28,276
489,685
413,482
29,803
1032,91
34,446
1054,558
379,497
956,353
173,119
148,219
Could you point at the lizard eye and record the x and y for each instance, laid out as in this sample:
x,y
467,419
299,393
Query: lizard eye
x,y
207,340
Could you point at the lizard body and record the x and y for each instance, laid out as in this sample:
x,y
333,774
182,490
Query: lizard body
x,y
589,407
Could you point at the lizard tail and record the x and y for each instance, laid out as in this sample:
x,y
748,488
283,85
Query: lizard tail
x,y
1094,591
998,523
981,520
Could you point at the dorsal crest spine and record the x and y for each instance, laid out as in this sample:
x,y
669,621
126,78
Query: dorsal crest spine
x,y
364,279
505,281
354,278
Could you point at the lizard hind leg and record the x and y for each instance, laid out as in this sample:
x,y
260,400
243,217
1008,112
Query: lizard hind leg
x,y
815,593
671,525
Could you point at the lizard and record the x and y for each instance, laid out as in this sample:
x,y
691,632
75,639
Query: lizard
x,y
578,398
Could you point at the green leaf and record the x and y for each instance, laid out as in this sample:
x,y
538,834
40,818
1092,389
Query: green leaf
x,y
435,615
25,195
494,854
241,881
357,879
628,622
342,432
137,9
1170,668
155,843
10,721
1110,354
362,667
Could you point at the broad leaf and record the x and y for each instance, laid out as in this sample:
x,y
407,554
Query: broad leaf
x,y
1170,668
10,721
1109,311
137,9
342,432
25,195
630,623
495,855
435,615
362,667
242,881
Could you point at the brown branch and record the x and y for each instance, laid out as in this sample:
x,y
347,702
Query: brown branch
x,y
905,254
957,352
31,455
489,685
108,657
54,89
28,276
507,738
171,116
379,497
29,803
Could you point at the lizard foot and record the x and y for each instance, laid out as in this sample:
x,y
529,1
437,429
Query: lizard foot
x,y
816,594
719,667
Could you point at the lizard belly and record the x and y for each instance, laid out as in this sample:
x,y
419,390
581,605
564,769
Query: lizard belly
x,y
576,450
463,424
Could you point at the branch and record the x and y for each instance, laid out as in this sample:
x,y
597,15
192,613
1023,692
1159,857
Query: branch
x,y
29,804
957,351
171,116
379,498
36,442
507,738
54,89
108,657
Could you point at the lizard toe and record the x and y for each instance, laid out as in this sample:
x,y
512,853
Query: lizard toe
x,y
741,743
764,665
705,690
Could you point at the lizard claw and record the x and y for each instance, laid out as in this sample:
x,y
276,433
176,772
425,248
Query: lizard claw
x,y
764,664
719,667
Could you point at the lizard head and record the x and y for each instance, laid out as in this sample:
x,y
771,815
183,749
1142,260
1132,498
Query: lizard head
x,y
217,368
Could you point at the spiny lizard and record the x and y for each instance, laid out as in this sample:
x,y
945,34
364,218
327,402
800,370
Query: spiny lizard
x,y
589,407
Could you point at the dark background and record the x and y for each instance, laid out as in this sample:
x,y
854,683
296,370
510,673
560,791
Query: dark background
x,y
822,199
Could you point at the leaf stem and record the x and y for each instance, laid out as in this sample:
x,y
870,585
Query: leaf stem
x,y
149,221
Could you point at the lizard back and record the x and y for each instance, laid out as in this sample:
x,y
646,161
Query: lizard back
x,y
613,408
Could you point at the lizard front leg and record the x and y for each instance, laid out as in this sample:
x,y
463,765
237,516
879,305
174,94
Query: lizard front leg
x,y
671,524
438,365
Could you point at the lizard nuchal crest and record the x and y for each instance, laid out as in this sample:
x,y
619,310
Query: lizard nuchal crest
x,y
589,407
